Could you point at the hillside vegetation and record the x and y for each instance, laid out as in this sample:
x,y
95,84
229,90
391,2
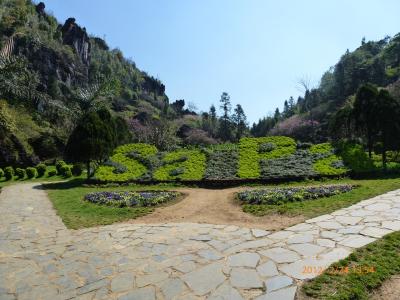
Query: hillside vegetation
x,y
51,73
309,117
55,78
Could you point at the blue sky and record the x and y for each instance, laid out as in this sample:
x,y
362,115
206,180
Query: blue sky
x,y
256,50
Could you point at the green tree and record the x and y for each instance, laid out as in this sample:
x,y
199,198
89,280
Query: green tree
x,y
94,138
387,110
364,113
225,132
240,120
213,120
277,115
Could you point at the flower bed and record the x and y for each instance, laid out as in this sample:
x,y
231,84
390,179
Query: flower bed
x,y
222,165
131,199
252,150
125,165
278,196
182,164
265,158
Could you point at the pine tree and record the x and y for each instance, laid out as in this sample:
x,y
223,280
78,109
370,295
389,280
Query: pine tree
x,y
225,132
240,120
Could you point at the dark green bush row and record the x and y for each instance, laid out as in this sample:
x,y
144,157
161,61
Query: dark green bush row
x,y
62,169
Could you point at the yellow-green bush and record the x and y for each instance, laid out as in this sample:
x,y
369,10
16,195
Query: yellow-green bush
x,y
182,164
250,154
325,166
134,168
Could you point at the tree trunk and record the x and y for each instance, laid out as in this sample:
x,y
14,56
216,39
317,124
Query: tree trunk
x,y
88,169
384,154
369,145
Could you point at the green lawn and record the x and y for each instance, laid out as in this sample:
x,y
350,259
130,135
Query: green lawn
x,y
67,198
366,189
367,267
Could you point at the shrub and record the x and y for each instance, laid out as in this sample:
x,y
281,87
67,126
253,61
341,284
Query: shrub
x,y
52,173
250,154
59,165
9,173
41,169
193,165
329,166
321,148
65,171
131,167
77,170
31,172
20,173
1,173
355,157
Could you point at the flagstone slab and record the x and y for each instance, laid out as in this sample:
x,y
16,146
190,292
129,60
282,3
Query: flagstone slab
x,y
284,294
268,269
245,278
278,282
244,259
280,255
205,279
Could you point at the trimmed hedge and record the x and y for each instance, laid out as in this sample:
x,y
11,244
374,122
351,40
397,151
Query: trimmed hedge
x,y
9,173
182,164
222,164
59,165
52,173
127,163
77,170
41,169
252,158
31,172
252,150
20,173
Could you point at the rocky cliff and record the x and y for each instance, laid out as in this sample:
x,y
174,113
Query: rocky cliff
x,y
58,63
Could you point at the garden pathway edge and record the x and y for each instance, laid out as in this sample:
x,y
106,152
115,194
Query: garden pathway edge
x,y
41,259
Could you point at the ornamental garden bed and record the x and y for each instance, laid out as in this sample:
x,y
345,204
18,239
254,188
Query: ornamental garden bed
x,y
132,198
281,195
252,159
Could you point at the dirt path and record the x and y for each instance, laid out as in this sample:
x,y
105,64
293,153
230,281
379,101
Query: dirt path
x,y
390,290
215,207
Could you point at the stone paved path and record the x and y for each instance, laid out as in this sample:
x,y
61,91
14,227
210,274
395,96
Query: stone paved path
x,y
41,259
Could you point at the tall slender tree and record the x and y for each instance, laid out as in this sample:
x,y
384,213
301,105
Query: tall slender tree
x,y
225,121
240,120
387,110
213,120
365,115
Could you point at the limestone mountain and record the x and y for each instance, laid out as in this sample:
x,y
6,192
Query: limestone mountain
x,y
51,72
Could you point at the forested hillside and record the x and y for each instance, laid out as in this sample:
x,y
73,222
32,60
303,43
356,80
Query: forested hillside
x,y
51,73
309,118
